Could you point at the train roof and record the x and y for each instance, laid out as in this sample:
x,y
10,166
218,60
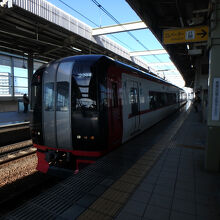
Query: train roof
x,y
146,74
83,57
96,58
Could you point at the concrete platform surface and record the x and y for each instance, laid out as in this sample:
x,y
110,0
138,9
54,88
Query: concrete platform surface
x,y
7,118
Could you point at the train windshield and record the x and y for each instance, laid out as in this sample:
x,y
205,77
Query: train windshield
x,y
84,87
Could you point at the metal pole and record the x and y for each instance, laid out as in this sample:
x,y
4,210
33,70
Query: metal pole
x,y
12,77
30,73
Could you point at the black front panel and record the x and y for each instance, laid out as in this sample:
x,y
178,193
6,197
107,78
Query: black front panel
x,y
36,106
89,106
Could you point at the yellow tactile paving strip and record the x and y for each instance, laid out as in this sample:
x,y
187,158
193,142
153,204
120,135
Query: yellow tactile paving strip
x,y
115,195
94,215
192,146
112,200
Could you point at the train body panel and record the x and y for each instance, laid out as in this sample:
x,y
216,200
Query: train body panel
x,y
137,114
114,107
85,106
131,106
56,110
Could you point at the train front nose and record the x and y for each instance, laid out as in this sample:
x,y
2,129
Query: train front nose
x,y
86,131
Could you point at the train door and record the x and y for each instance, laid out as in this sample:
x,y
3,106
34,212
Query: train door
x,y
56,106
115,120
135,107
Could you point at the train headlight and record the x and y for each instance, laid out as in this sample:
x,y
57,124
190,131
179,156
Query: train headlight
x,y
78,136
92,137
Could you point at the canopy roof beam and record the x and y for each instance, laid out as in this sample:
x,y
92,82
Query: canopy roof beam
x,y
137,25
147,52
161,64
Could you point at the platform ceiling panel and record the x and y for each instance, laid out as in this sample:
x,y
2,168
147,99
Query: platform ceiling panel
x,y
160,15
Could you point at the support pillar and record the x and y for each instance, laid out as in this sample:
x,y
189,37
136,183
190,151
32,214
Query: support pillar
x,y
212,160
30,73
12,80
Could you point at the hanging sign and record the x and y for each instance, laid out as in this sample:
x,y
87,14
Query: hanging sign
x,y
185,35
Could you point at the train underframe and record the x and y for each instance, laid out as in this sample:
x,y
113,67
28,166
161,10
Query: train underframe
x,y
63,163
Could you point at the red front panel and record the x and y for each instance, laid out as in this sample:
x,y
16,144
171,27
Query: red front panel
x,y
114,85
42,164
82,158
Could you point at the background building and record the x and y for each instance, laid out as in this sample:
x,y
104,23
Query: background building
x,y
13,80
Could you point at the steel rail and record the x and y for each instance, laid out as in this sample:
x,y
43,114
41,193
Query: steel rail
x,y
14,155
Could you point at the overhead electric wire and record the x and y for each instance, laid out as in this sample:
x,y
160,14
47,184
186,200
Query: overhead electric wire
x,y
116,21
91,21
112,17
77,12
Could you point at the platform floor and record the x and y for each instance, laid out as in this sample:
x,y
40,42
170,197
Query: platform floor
x,y
158,175
8,118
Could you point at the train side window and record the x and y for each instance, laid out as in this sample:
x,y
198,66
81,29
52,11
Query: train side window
x,y
160,100
133,99
157,100
171,98
175,98
133,96
114,95
62,98
49,97
168,98
152,99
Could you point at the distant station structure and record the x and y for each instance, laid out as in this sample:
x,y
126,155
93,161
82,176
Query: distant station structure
x,y
46,32
37,31
34,32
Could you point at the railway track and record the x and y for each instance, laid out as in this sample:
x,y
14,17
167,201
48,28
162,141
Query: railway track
x,y
14,133
14,126
15,151
21,191
20,186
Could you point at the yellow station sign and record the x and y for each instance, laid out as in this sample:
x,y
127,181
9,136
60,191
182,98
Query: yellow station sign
x,y
184,35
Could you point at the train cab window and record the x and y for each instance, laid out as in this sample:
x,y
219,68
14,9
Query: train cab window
x,y
114,95
49,97
62,99
84,87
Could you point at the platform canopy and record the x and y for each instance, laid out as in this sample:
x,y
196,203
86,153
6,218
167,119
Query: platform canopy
x,y
160,15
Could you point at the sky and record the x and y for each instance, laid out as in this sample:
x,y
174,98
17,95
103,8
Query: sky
x,y
88,12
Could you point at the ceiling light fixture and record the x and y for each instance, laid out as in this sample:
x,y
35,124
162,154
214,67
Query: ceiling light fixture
x,y
76,49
